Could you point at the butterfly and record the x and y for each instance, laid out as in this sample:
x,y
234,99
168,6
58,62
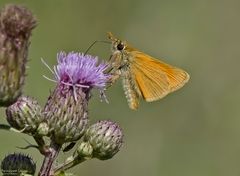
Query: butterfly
x,y
142,75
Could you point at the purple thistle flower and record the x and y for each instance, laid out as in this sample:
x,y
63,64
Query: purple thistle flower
x,y
77,69
66,110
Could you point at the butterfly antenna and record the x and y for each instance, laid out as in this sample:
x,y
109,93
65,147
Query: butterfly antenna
x,y
97,41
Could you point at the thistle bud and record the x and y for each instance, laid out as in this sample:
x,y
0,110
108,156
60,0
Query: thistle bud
x,y
17,164
26,115
85,150
105,137
16,24
67,107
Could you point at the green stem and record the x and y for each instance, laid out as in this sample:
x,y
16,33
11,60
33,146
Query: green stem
x,y
46,169
42,147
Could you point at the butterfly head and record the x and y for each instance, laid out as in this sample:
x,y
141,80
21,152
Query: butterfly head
x,y
117,45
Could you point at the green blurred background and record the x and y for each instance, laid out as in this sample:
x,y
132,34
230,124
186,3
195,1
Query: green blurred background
x,y
192,132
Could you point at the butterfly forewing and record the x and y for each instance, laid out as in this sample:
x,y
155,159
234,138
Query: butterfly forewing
x,y
152,84
176,77
155,78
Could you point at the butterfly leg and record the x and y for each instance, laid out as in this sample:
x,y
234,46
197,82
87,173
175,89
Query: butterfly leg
x,y
113,77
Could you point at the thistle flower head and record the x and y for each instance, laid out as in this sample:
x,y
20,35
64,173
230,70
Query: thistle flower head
x,y
105,137
16,24
17,21
26,114
80,70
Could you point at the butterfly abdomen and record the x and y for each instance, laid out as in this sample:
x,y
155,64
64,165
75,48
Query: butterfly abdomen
x,y
131,90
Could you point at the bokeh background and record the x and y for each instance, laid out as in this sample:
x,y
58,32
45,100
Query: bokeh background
x,y
192,132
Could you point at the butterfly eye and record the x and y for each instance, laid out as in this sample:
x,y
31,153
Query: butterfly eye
x,y
120,46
